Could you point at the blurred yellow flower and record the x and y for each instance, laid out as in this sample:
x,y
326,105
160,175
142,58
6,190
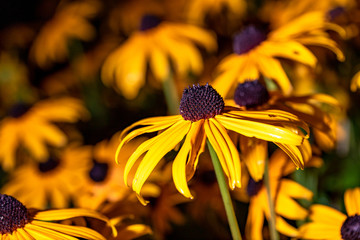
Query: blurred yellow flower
x,y
198,10
204,116
32,128
255,53
105,180
20,223
69,22
328,223
155,43
283,191
56,181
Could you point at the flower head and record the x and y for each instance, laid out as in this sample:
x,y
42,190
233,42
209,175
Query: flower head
x,y
328,223
202,118
33,127
156,42
18,222
256,53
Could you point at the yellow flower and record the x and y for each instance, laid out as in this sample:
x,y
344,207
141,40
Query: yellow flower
x,y
105,181
252,95
203,116
54,182
155,43
33,128
328,223
283,191
19,223
256,53
69,22
198,10
126,16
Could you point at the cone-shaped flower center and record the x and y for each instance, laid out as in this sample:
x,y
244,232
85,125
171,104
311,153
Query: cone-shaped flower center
x,y
99,171
251,94
49,165
13,214
350,230
18,110
200,102
253,187
247,39
149,22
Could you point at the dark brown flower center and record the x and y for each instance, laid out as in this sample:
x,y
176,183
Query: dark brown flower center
x,y
13,214
251,94
253,187
247,39
99,171
350,230
149,22
19,109
49,165
200,102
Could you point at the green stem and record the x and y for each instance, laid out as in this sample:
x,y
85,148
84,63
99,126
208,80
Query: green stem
x,y
234,227
171,95
272,224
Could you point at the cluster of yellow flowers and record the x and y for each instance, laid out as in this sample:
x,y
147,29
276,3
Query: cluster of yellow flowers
x,y
165,119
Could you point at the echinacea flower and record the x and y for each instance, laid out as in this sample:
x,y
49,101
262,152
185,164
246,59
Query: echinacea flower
x,y
69,22
284,193
203,115
55,182
329,223
19,223
256,53
33,128
155,43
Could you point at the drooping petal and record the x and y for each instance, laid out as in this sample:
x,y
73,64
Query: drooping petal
x,y
181,159
260,130
165,142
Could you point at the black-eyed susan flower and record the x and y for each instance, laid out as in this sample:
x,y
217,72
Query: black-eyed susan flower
x,y
284,193
256,53
329,223
33,128
203,115
20,223
198,10
253,95
55,182
69,22
105,180
155,43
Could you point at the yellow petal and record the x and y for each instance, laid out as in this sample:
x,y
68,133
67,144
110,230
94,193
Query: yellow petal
x,y
294,153
260,130
166,141
230,152
76,231
289,208
326,215
159,63
285,228
320,231
179,165
352,201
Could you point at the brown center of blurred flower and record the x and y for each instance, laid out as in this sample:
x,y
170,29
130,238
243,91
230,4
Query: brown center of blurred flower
x,y
13,214
200,102
49,165
253,187
149,22
99,171
350,230
19,109
247,39
251,94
